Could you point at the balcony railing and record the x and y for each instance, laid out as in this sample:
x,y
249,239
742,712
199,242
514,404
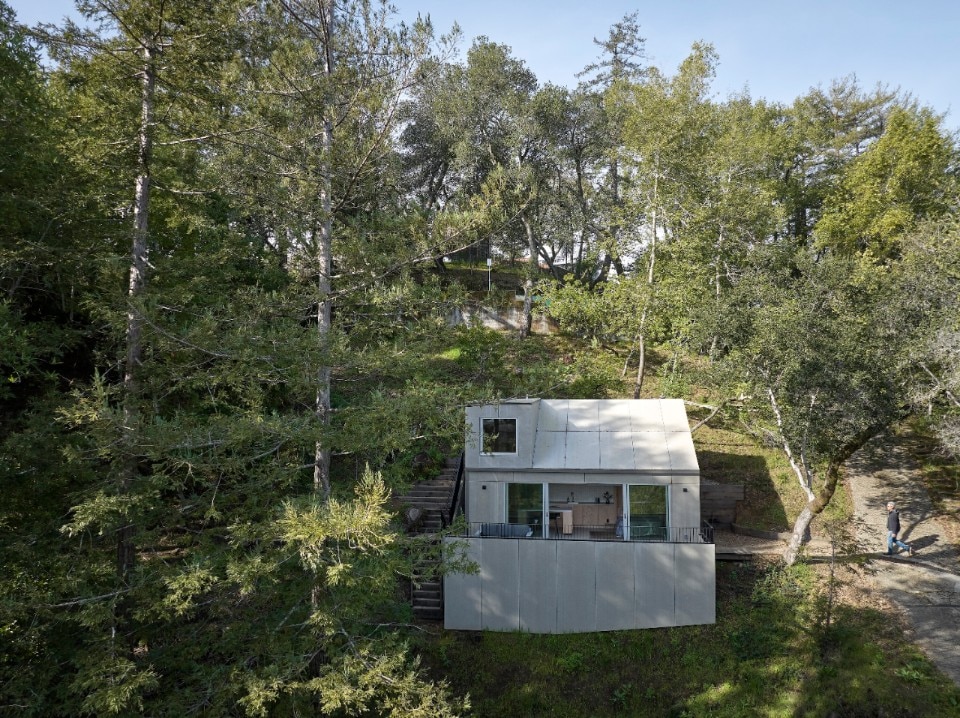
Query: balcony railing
x,y
608,532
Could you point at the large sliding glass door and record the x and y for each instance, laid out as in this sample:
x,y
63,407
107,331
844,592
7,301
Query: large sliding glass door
x,y
648,512
525,506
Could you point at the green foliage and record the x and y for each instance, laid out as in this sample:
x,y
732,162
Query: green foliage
x,y
904,177
608,313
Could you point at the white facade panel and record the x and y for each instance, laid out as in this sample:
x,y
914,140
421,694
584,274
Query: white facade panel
x,y
583,415
683,457
485,501
615,416
655,585
646,416
674,415
616,603
500,577
553,415
462,595
645,479
538,586
616,450
576,587
551,450
685,505
696,584
583,450
650,452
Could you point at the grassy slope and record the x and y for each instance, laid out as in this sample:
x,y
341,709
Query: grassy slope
x,y
772,652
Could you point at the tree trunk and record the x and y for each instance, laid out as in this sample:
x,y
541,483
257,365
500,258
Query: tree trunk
x,y
526,323
653,224
641,366
801,470
126,553
813,508
324,258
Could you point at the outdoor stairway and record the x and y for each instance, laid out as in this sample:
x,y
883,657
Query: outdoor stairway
x,y
432,497
427,599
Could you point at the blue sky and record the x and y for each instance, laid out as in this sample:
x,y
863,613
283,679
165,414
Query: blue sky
x,y
777,50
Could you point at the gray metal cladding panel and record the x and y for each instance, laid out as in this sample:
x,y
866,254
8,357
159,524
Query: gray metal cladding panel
x,y
683,457
500,574
696,584
654,587
550,451
685,505
538,586
560,477
674,415
576,586
477,476
616,603
648,479
583,415
553,415
485,504
583,450
615,416
462,594
616,451
650,451
645,415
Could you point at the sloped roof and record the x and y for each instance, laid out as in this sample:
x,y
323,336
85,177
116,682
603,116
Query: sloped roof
x,y
643,435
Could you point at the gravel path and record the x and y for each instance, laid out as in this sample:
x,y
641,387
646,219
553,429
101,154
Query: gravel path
x,y
927,586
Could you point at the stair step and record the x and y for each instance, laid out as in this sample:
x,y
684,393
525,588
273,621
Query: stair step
x,y
429,606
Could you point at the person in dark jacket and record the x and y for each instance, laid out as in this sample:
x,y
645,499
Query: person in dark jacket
x,y
893,528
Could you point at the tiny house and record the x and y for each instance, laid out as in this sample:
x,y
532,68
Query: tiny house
x,y
582,515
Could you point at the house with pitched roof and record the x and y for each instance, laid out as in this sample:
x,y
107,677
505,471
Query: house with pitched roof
x,y
582,515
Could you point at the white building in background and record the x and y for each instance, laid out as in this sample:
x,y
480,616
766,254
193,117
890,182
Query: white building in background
x,y
583,515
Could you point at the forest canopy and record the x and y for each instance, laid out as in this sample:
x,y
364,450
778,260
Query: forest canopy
x,y
226,240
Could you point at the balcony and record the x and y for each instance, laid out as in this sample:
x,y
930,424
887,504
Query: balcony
x,y
637,532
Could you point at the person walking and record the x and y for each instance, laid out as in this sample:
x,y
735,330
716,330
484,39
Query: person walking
x,y
893,529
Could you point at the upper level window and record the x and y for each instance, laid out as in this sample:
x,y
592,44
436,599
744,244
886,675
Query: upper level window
x,y
499,436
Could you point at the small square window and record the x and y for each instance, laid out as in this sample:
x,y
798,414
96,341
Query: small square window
x,y
499,436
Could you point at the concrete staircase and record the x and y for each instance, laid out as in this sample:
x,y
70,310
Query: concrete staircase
x,y
432,498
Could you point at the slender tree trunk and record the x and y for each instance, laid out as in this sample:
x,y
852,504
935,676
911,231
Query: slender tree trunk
x,y
615,227
137,282
716,287
324,258
526,323
129,439
641,341
801,470
641,366
653,224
